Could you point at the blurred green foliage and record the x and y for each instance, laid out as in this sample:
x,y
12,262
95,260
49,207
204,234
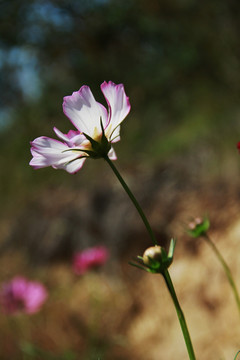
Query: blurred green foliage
x,y
32,352
178,59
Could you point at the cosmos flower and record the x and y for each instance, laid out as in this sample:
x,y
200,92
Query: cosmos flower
x,y
22,295
96,127
89,258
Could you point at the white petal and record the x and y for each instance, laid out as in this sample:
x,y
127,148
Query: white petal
x,y
61,136
38,162
85,112
118,103
51,152
43,142
72,138
115,135
74,166
112,155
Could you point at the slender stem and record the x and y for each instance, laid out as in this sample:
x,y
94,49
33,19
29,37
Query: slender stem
x,y
226,269
132,197
180,315
165,272
237,355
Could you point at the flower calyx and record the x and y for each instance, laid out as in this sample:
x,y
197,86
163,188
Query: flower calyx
x,y
155,258
198,227
99,149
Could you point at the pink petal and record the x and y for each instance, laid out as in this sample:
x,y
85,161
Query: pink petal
x,y
84,111
118,103
51,152
89,258
35,296
19,285
21,295
72,138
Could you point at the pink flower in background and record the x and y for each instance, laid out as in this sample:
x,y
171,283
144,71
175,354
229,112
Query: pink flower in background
x,y
238,146
89,258
96,127
22,295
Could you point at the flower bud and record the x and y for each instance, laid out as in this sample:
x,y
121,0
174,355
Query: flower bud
x,y
198,227
156,259
152,254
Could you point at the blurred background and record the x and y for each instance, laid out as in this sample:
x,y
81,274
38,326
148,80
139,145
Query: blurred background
x,y
179,61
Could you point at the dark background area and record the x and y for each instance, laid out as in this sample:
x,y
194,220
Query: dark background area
x,y
178,60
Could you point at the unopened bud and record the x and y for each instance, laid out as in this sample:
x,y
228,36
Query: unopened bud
x,y
198,227
152,253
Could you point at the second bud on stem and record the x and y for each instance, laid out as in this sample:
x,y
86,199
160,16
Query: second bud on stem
x,y
155,258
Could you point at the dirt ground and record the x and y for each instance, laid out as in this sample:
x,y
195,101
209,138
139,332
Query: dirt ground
x,y
119,312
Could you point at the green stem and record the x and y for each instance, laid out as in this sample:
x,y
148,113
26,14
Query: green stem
x,y
237,355
165,272
132,197
180,315
225,267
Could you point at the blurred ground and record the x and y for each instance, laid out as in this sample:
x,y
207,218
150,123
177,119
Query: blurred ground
x,y
120,312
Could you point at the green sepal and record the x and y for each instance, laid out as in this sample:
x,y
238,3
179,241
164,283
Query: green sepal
x,y
90,153
137,266
155,264
71,161
164,255
145,267
104,140
171,248
99,149
94,143
171,251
